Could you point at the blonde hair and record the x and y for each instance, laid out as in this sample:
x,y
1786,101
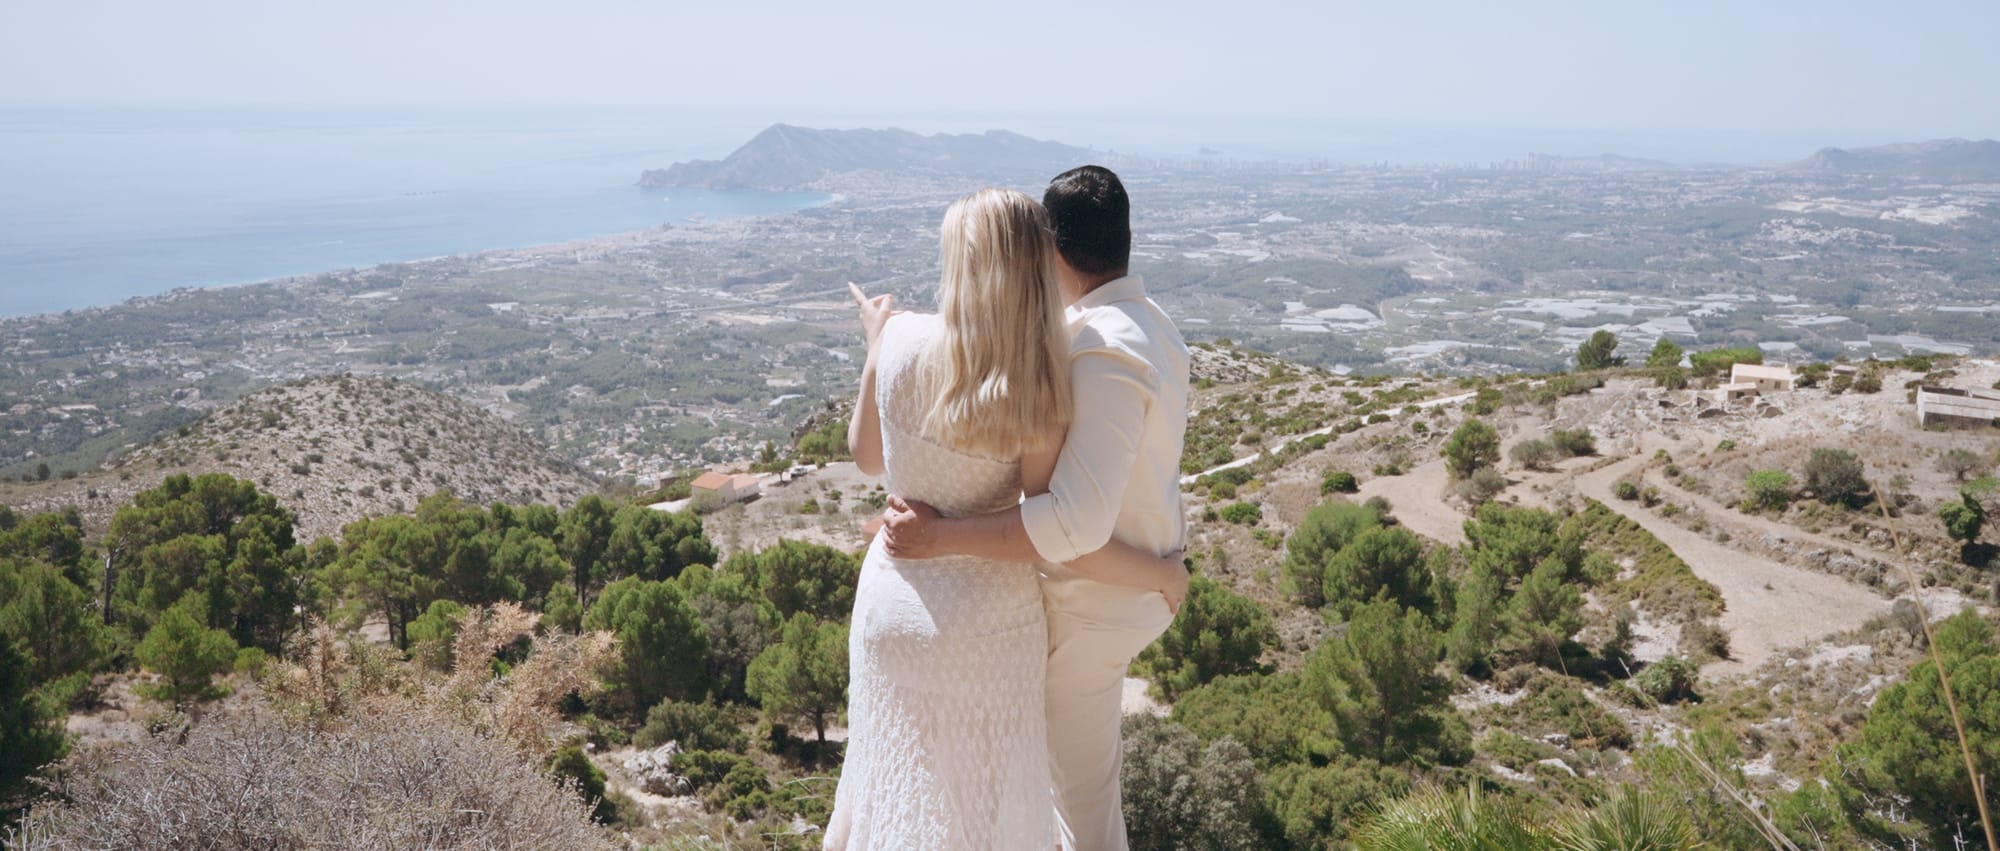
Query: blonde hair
x,y
1000,370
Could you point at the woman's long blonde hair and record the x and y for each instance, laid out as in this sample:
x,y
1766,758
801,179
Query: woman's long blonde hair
x,y
1001,368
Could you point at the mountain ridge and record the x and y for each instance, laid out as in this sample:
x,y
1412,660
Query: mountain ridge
x,y
1934,159
790,157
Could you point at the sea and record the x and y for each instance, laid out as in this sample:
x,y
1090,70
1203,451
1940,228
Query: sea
x,y
102,205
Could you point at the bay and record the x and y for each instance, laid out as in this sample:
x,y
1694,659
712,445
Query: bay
x,y
98,206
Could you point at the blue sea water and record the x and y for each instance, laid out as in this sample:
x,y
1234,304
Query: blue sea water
x,y
101,205
97,206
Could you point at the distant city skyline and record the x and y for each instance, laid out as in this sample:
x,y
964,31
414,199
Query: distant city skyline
x,y
1846,73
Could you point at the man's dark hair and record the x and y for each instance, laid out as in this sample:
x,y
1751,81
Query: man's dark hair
x,y
1092,219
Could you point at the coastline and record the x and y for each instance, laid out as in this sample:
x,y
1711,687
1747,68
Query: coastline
x,y
603,242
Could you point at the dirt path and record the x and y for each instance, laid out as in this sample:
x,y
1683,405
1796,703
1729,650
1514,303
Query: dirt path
x,y
1418,501
1737,522
1771,605
1274,446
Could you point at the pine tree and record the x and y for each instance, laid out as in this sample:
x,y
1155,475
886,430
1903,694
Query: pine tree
x,y
1218,632
1473,445
1326,529
661,643
1378,680
31,732
1595,353
185,652
804,675
1666,354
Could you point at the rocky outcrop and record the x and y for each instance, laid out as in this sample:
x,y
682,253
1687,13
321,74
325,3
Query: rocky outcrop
x,y
1943,160
786,157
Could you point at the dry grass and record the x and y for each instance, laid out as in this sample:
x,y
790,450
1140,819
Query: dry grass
x,y
352,747
251,780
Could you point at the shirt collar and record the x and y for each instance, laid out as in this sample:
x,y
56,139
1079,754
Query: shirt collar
x,y
1115,290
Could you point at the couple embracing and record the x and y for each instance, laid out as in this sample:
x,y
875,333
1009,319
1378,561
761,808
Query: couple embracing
x,y
1030,433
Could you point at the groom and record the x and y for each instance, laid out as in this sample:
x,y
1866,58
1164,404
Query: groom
x,y
1118,475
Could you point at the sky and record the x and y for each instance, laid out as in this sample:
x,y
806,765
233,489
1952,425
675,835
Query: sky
x,y
1849,72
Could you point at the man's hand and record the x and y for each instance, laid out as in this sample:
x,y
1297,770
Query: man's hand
x,y
1177,590
909,529
875,313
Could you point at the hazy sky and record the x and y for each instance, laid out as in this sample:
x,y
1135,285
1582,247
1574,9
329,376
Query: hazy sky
x,y
1864,71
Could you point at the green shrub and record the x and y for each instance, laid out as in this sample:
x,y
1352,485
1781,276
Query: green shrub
x,y
1625,489
1836,476
1768,490
1718,361
1704,639
1556,704
1339,481
694,726
1273,715
1533,454
1574,441
1242,513
1669,680
572,764
1962,519
1482,486
1314,805
1182,794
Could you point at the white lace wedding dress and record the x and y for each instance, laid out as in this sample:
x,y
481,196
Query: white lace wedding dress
x,y
947,744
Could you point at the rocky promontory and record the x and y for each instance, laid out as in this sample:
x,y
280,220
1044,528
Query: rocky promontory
x,y
786,157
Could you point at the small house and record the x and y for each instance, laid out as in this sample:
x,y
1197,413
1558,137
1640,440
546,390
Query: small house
x,y
722,485
1737,390
1948,405
1768,379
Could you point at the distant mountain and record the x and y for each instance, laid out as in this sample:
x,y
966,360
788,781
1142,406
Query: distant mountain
x,y
785,157
334,450
1945,160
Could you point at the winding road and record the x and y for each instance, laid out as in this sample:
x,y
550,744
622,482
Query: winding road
x,y
1770,605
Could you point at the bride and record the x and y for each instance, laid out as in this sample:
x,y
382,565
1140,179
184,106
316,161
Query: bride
x,y
965,410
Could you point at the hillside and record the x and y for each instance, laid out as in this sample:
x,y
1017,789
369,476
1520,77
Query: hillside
x,y
786,157
1549,625
333,450
1944,160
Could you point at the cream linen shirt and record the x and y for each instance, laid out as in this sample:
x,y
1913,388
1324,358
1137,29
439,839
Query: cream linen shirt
x,y
1119,472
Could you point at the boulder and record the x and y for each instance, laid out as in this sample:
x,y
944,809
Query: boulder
x,y
653,770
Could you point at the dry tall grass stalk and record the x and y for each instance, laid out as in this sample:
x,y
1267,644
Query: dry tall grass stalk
x,y
1944,677
337,680
522,706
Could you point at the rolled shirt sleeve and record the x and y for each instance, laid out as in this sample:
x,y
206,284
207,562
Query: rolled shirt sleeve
x,y
1113,391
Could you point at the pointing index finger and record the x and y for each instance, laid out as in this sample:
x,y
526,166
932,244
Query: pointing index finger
x,y
855,291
